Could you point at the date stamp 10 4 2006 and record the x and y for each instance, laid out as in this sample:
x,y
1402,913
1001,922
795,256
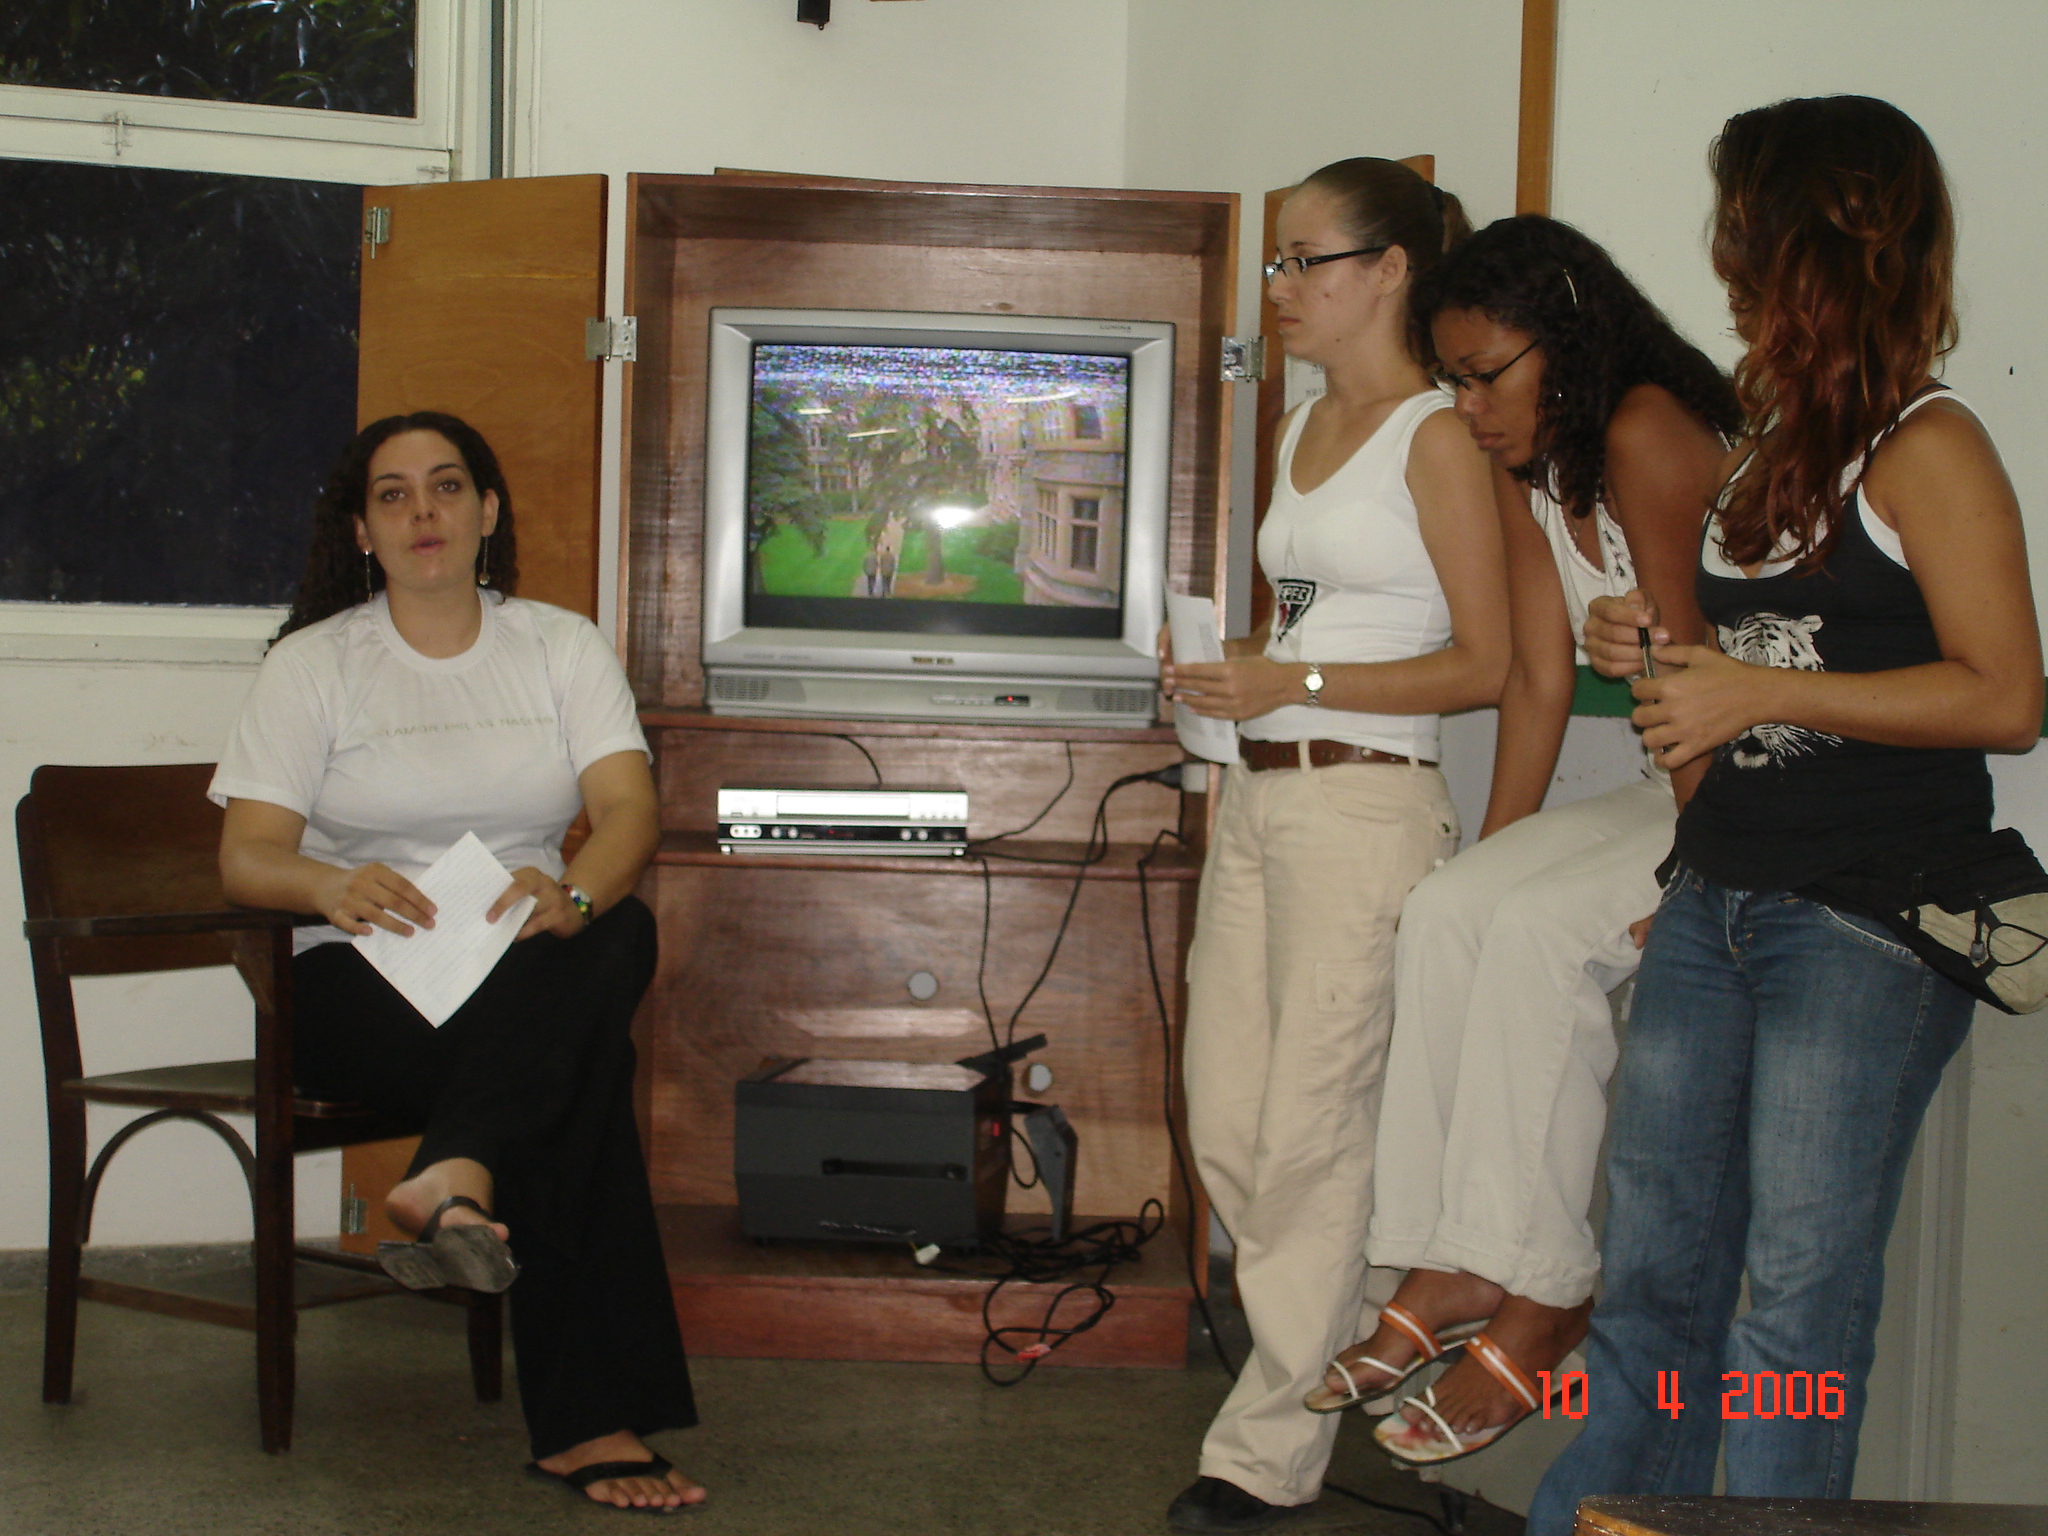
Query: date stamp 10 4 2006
x,y
1745,1394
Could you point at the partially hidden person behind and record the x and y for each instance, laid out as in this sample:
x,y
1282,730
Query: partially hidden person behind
x,y
1384,555
408,700
1607,430
1866,576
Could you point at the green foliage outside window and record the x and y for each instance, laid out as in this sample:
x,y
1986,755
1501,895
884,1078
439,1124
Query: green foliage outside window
x,y
341,55
177,371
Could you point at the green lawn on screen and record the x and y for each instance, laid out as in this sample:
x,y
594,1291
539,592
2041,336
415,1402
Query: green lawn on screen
x,y
994,581
789,567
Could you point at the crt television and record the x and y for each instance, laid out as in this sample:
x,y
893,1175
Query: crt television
x,y
935,516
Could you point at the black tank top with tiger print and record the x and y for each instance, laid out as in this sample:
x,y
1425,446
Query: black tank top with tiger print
x,y
1782,806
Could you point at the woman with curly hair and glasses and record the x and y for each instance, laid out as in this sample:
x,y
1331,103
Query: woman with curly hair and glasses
x,y
409,700
1866,576
1605,428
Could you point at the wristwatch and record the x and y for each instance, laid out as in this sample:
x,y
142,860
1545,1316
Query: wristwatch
x,y
1314,683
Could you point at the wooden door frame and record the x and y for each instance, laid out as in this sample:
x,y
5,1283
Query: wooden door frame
x,y
1536,118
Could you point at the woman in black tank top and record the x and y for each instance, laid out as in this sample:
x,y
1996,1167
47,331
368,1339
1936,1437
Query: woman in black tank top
x,y
1866,576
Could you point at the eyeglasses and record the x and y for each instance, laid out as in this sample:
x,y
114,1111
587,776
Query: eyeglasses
x,y
1484,380
1300,264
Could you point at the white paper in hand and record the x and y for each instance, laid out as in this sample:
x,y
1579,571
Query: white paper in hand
x,y
437,968
1192,621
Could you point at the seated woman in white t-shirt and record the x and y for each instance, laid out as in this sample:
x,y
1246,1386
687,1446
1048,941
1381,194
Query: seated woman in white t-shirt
x,y
408,700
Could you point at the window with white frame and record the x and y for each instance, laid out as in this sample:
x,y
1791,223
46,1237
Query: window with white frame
x,y
308,89
182,180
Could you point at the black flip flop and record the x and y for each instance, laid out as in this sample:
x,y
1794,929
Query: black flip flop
x,y
470,1256
579,1481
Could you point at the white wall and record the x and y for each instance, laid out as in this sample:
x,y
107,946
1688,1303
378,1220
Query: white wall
x,y
1247,95
177,1183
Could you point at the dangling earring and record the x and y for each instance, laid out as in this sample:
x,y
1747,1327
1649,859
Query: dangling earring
x,y
483,562
369,589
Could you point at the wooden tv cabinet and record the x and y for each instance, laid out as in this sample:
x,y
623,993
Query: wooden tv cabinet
x,y
780,955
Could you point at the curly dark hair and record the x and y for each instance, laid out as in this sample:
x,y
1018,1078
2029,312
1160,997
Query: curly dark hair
x,y
1600,337
1383,202
1834,233
337,574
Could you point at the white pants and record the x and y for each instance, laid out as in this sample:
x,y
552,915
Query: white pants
x,y
1290,1005
1496,1091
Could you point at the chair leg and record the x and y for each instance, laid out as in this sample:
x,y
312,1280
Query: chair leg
x,y
486,1345
277,1317
60,1307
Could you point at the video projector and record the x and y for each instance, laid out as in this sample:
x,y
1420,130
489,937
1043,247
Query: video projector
x,y
890,1151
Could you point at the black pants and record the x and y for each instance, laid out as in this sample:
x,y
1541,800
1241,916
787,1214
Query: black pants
x,y
533,1078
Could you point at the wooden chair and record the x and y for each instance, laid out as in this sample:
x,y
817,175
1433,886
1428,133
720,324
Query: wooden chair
x,y
120,874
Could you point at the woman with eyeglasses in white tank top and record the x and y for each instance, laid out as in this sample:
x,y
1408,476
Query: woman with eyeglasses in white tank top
x,y
1390,607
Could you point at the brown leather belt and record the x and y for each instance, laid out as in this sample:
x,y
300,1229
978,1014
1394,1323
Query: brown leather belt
x,y
1258,756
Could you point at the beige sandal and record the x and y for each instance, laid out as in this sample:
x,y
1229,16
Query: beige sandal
x,y
1431,1444
1429,1347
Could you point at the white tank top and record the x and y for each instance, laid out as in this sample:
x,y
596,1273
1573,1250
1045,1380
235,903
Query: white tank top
x,y
1352,581
1582,581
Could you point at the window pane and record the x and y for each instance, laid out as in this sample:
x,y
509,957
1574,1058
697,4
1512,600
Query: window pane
x,y
343,55
177,371
1084,547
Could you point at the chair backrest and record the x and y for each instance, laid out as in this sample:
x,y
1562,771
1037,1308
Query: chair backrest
x,y
123,842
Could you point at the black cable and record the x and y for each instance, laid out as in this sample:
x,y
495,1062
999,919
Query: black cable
x,y
1041,1261
1187,1184
979,843
864,752
1180,1164
1092,852
988,904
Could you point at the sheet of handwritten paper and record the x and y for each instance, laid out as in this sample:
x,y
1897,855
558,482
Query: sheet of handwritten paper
x,y
435,969
1192,621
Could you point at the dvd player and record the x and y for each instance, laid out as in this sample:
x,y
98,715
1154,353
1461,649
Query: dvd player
x,y
921,820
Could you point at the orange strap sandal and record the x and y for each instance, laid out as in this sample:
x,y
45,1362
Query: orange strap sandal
x,y
1435,1442
1428,1347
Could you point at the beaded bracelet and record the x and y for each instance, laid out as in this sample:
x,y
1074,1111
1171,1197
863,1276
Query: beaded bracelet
x,y
580,900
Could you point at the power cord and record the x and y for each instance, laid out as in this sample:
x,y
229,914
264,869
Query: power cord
x,y
1040,1261
863,751
1453,1500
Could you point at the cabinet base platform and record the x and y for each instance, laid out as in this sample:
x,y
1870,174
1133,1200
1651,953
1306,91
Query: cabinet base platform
x,y
739,1299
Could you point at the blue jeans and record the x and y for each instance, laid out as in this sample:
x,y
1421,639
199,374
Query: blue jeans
x,y
1779,1059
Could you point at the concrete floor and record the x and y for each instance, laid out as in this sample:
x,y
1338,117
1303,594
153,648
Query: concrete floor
x,y
162,1439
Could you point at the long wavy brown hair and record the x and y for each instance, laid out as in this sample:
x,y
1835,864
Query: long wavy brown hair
x,y
337,576
1833,232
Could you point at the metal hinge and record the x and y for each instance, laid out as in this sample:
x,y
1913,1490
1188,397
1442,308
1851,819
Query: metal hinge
x,y
355,1213
376,229
1244,359
606,340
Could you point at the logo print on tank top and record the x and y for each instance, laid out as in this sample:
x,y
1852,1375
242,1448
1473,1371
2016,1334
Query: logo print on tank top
x,y
1772,640
1292,597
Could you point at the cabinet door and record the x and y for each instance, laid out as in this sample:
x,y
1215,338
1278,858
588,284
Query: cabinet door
x,y
1285,384
476,306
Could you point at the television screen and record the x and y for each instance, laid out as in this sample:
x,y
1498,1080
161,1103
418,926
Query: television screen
x,y
937,490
